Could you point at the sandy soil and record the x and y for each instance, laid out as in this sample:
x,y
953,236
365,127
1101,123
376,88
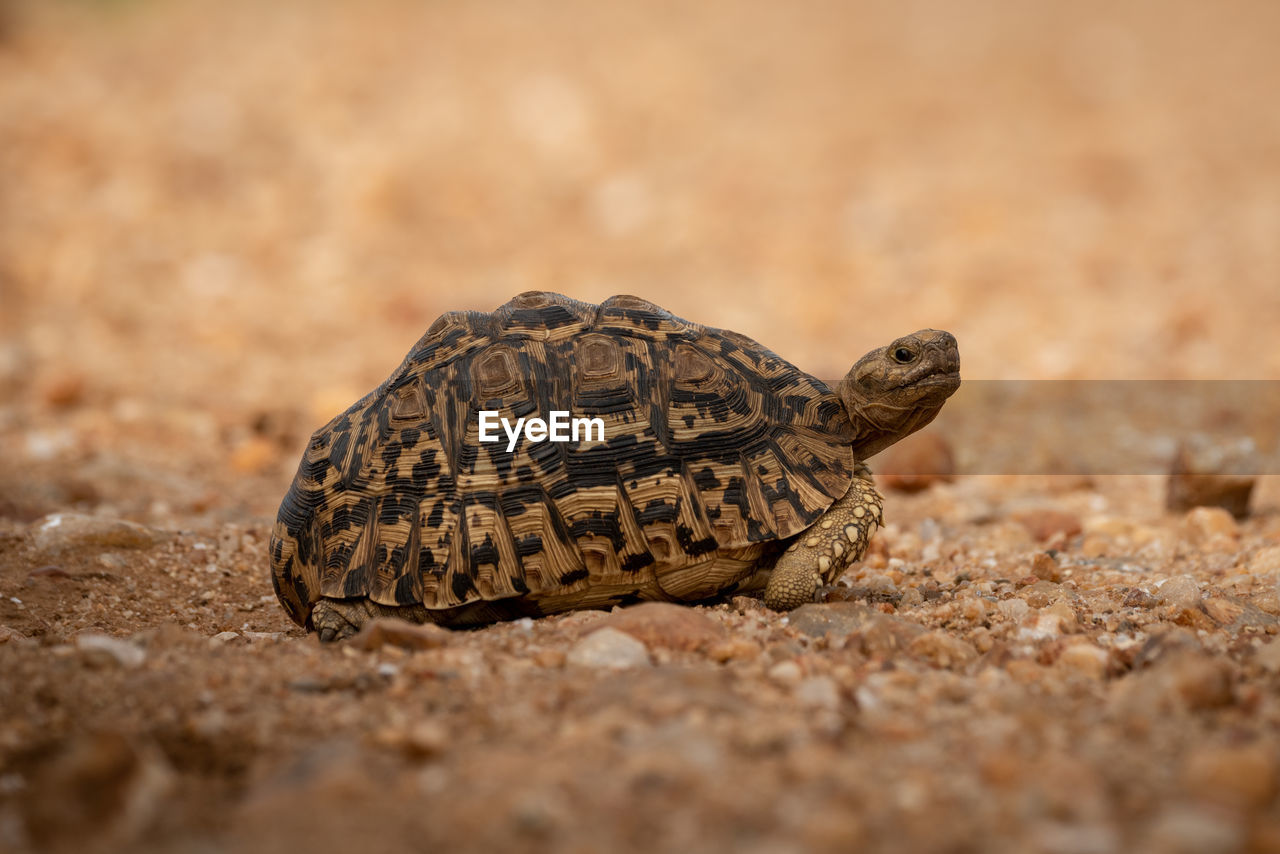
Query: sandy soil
x,y
219,229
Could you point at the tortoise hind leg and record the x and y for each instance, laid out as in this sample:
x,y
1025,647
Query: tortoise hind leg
x,y
339,619
820,554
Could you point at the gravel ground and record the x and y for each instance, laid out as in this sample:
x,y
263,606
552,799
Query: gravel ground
x,y
218,229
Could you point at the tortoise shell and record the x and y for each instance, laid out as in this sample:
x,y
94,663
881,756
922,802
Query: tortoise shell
x,y
713,446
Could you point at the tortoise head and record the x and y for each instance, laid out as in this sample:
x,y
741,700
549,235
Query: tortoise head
x,y
895,390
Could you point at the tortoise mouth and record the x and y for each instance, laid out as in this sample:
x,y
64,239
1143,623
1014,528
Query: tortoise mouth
x,y
948,379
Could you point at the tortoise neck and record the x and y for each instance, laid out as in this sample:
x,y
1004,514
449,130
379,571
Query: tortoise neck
x,y
877,424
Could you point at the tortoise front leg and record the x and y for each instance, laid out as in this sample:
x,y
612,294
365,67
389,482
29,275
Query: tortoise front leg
x,y
820,554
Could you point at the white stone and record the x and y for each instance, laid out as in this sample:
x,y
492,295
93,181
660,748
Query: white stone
x,y
65,531
105,650
818,692
609,649
1181,591
785,673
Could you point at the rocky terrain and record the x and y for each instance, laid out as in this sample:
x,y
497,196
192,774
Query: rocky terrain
x,y
217,229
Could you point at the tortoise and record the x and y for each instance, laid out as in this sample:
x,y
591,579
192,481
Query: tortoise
x,y
722,468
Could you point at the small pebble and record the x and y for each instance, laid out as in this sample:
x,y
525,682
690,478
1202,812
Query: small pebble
x,y
887,636
419,740
1039,594
387,631
1084,659
974,609
263,636
734,649
911,598
1224,612
103,650
831,619
1180,591
1014,609
551,658
881,584
1265,561
608,649
1139,598
63,532
817,692
427,738
1045,626
1210,526
943,649
1045,567
785,673
669,626
1065,614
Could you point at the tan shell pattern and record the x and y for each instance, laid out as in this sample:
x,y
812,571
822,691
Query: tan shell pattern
x,y
712,442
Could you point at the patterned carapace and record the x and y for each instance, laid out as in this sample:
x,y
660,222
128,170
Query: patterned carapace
x,y
714,449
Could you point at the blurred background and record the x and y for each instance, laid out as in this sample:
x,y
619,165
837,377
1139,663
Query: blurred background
x,y
222,223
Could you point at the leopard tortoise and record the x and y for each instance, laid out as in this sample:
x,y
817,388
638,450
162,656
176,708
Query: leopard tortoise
x,y
723,468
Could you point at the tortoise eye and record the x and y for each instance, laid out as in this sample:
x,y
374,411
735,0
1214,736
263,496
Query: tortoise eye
x,y
902,355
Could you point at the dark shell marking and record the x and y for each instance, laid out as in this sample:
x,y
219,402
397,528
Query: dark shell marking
x,y
715,449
